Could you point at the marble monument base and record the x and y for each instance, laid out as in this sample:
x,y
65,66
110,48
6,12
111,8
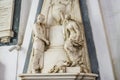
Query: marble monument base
x,y
59,76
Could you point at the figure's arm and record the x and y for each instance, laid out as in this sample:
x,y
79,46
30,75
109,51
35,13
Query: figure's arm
x,y
40,36
65,31
45,40
77,30
66,34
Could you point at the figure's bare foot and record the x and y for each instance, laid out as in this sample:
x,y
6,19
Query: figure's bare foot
x,y
67,63
55,69
34,71
73,64
84,69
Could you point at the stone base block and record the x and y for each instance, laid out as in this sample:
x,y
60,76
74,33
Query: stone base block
x,y
73,70
59,76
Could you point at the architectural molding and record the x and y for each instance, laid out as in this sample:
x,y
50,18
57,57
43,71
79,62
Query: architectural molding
x,y
59,76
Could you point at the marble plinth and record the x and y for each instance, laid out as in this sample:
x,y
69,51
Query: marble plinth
x,y
59,76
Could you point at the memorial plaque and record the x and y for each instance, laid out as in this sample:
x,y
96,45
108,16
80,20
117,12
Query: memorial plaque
x,y
6,17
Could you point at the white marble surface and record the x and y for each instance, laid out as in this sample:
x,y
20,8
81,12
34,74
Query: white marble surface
x,y
56,36
100,40
111,17
7,63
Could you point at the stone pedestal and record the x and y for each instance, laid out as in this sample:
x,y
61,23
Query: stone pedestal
x,y
59,76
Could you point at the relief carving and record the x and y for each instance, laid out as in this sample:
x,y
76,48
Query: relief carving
x,y
59,44
73,42
39,44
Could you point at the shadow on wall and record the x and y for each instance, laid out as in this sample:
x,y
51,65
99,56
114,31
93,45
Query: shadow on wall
x,y
2,71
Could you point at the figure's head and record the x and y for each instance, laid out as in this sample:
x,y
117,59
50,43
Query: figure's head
x,y
40,18
67,16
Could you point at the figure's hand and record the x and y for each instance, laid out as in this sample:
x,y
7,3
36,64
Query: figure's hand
x,y
47,42
67,63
